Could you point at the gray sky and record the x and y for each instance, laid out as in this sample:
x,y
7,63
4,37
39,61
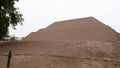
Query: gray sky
x,y
41,13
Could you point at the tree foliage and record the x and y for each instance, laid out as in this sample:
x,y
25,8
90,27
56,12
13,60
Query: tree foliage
x,y
9,15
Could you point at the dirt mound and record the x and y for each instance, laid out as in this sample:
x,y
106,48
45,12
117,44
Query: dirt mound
x,y
61,54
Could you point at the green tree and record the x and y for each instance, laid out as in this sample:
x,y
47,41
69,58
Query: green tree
x,y
9,15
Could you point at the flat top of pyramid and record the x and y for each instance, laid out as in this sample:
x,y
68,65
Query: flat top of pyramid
x,y
74,23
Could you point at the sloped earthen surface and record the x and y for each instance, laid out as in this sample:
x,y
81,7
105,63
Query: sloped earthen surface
x,y
61,54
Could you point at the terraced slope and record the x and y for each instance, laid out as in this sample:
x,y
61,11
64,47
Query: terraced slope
x,y
87,28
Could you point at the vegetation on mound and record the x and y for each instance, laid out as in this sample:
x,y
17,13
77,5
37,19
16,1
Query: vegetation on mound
x,y
9,59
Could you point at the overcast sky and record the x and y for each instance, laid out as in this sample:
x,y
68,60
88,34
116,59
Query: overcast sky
x,y
41,13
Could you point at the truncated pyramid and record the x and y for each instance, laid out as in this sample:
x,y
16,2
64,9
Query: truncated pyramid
x,y
87,28
77,43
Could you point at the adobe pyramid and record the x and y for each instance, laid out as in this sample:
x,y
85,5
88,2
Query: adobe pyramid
x,y
87,28
77,43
